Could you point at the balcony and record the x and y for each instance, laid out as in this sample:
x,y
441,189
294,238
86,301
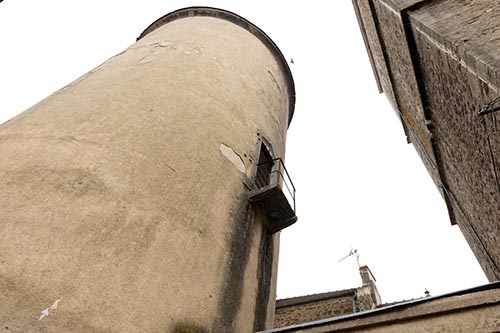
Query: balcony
x,y
274,195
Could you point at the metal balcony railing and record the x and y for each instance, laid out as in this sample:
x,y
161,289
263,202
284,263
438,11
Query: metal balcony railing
x,y
274,194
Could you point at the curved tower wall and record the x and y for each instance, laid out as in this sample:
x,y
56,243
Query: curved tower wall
x,y
125,194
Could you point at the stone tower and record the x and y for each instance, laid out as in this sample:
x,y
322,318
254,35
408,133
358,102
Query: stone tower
x,y
146,196
438,62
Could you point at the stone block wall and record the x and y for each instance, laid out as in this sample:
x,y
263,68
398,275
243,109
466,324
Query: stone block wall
x,y
309,308
473,310
456,57
314,310
438,63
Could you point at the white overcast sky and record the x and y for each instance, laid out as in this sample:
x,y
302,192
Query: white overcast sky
x,y
359,185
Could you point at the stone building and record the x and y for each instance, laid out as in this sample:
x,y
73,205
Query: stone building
x,y
472,310
361,310
302,309
438,62
146,196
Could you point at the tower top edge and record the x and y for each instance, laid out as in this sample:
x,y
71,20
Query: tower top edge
x,y
240,21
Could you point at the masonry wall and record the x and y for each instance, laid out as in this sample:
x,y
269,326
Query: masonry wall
x,y
302,313
441,60
366,298
309,308
451,58
386,39
470,312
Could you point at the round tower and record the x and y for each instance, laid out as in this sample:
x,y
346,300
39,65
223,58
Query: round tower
x,y
147,195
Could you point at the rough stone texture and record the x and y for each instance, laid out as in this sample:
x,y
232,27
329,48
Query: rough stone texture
x,y
399,5
367,295
468,30
462,139
407,94
367,21
349,301
443,60
455,92
119,211
366,299
302,309
302,313
385,37
474,311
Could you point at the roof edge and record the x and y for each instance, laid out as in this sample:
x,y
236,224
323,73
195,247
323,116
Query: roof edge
x,y
395,307
299,300
242,22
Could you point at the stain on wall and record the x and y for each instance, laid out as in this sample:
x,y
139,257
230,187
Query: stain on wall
x,y
240,240
264,275
232,157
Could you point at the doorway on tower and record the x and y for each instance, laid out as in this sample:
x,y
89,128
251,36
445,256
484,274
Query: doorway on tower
x,y
264,167
273,193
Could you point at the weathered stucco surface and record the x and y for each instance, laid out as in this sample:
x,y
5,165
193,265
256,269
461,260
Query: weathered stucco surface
x,y
118,202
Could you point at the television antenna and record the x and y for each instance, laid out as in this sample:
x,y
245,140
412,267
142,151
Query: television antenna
x,y
354,253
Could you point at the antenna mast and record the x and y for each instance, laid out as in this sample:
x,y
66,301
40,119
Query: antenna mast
x,y
353,252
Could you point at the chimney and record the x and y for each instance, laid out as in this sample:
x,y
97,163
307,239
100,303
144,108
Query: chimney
x,y
369,282
366,275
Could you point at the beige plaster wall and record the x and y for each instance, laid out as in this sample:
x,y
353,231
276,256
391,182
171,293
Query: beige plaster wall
x,y
120,211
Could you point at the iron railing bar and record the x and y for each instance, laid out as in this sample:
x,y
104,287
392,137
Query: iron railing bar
x,y
488,108
282,164
286,171
283,177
